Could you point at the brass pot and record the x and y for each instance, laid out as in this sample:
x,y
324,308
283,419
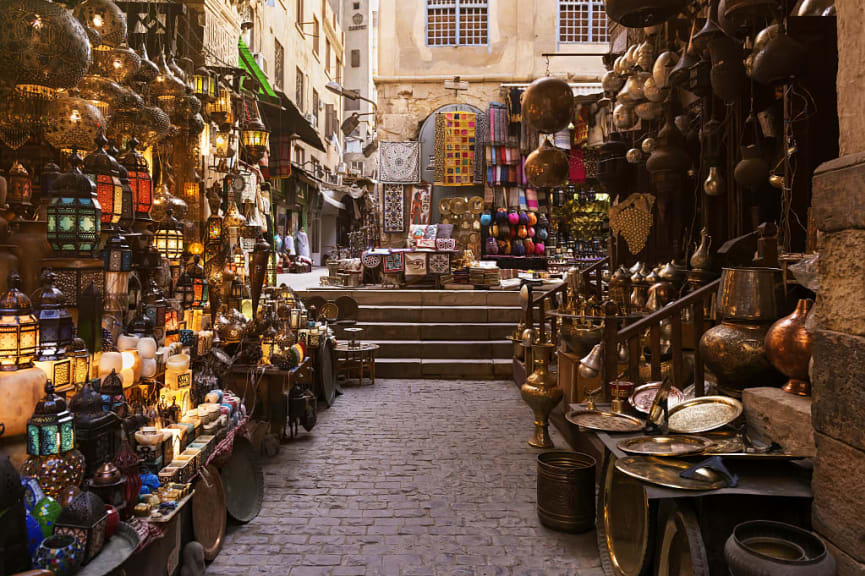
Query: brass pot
x,y
701,259
542,393
750,294
736,354
788,347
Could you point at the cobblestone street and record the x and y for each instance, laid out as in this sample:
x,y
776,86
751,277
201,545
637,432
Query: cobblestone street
x,y
419,477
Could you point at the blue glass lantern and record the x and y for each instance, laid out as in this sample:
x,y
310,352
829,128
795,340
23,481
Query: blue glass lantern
x,y
50,430
73,214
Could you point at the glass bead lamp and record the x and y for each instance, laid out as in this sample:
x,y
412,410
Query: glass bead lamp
x,y
139,180
104,171
19,329
74,214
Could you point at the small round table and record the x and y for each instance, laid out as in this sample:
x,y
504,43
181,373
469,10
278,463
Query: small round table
x,y
360,357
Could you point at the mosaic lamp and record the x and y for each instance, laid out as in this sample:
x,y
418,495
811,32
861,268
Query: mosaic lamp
x,y
104,171
74,214
56,332
52,457
169,238
200,285
19,329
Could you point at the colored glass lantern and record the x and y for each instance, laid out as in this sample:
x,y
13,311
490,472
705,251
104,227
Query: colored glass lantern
x,y
113,399
74,214
200,286
155,305
56,329
117,255
95,428
80,360
169,238
223,143
127,211
104,171
191,190
50,430
237,264
204,85
139,180
19,329
196,248
255,138
213,228
19,186
84,519
183,291
221,109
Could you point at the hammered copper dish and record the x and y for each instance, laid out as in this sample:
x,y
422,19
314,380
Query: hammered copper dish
x,y
665,446
666,472
703,414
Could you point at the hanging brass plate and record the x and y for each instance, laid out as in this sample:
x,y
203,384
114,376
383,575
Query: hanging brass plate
x,y
476,204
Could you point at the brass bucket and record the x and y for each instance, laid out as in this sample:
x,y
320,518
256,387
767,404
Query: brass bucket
x,y
566,491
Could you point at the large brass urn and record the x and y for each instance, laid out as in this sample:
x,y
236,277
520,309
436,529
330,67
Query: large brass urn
x,y
542,393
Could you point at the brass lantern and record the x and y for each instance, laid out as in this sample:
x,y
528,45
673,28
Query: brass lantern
x,y
139,179
169,239
19,329
167,87
80,358
184,291
224,143
104,171
74,214
200,286
75,123
56,332
96,429
220,109
106,18
204,84
254,135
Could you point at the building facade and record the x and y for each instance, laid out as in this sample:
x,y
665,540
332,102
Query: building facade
x,y
361,61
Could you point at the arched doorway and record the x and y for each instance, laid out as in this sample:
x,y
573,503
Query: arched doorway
x,y
427,152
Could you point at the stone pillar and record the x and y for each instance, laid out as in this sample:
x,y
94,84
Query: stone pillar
x,y
838,203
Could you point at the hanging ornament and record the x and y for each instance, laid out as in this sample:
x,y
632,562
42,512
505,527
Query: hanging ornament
x,y
106,18
632,219
75,124
548,104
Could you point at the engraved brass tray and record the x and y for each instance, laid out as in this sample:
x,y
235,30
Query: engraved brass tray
x,y
661,446
604,421
643,397
703,414
665,472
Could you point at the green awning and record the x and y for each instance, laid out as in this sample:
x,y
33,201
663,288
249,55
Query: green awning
x,y
247,62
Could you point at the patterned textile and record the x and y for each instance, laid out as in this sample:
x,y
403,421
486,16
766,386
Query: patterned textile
x,y
481,137
439,263
393,208
576,166
532,199
415,263
455,148
399,162
421,204
428,240
393,262
446,244
371,260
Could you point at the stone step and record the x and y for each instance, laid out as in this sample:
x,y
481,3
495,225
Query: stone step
x,y
439,314
440,349
473,369
434,331
420,297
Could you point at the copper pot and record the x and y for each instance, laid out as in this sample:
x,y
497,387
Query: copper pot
x,y
750,294
788,346
752,171
736,354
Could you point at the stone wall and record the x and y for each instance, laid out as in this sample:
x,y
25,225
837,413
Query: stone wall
x,y
839,347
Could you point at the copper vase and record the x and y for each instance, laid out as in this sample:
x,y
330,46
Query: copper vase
x,y
788,346
542,393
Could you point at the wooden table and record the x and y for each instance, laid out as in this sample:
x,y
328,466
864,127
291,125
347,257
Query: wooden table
x,y
360,357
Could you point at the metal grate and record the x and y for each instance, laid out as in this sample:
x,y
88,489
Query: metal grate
x,y
582,21
457,22
279,64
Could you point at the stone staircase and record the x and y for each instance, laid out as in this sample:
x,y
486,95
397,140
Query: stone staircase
x,y
447,334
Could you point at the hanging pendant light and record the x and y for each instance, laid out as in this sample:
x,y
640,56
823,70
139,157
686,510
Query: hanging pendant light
x,y
104,171
74,214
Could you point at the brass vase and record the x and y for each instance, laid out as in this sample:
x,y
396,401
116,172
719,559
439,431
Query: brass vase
x,y
788,346
542,393
735,352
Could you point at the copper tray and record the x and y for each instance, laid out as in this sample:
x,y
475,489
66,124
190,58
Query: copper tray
x,y
703,414
665,446
643,397
243,481
208,512
665,472
604,421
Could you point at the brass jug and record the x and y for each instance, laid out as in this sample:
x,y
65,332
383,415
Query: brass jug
x,y
542,393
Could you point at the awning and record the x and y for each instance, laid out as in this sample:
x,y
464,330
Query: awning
x,y
329,197
247,62
284,118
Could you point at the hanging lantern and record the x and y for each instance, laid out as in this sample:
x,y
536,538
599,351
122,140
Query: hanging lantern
x,y
148,71
224,143
117,259
74,214
220,109
233,217
74,124
19,329
237,265
204,84
104,171
184,291
80,358
56,332
167,87
106,18
127,212
168,239
254,135
19,187
201,288
119,64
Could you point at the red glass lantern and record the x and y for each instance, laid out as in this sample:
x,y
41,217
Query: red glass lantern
x,y
139,180
104,171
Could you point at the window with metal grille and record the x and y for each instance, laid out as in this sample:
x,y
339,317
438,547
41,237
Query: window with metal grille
x,y
327,56
355,58
279,64
582,21
315,35
315,105
456,22
299,93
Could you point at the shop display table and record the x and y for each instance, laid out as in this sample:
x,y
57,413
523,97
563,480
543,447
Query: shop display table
x,y
268,401
357,359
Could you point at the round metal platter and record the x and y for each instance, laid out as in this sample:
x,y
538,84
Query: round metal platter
x,y
325,371
329,311
243,481
445,206
703,414
208,512
624,523
476,204
604,421
643,397
662,446
665,472
458,206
